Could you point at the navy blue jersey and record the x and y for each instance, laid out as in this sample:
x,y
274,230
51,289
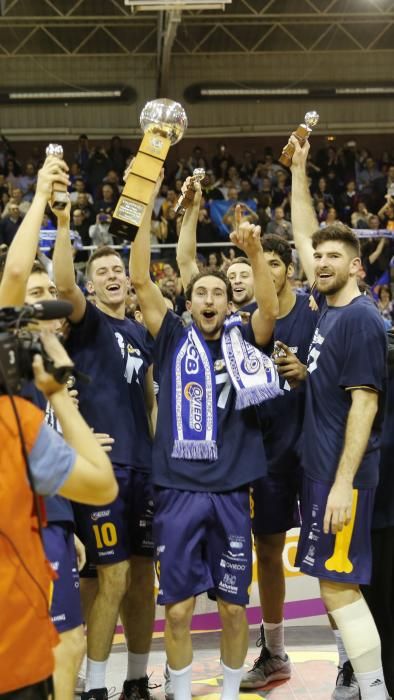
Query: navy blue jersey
x,y
282,418
116,354
348,350
58,509
241,457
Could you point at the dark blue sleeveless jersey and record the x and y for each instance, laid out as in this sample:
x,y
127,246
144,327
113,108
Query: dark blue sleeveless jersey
x,y
241,456
115,354
58,509
348,350
282,418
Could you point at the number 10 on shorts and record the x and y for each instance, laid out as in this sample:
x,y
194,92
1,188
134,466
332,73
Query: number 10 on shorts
x,y
105,535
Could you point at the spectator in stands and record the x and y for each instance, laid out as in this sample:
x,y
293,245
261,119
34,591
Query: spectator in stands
x,y
213,262
347,201
331,218
322,195
79,224
10,223
221,160
12,172
367,174
99,231
79,186
376,254
386,213
280,193
248,165
385,303
212,190
82,154
246,192
107,199
118,155
16,198
27,182
112,178
83,204
279,226
97,167
169,204
360,217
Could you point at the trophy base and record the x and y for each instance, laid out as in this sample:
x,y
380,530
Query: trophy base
x,y
122,229
59,199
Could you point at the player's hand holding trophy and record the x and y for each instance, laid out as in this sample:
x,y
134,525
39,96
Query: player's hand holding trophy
x,y
302,132
163,122
186,199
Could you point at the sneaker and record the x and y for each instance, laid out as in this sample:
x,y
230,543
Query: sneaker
x,y
266,668
346,687
137,689
168,689
95,694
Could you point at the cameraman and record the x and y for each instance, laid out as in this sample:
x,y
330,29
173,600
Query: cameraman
x,y
99,232
25,282
75,467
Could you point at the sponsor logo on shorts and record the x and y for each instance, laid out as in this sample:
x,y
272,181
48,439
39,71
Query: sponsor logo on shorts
x,y
236,544
106,554
100,514
55,565
310,557
228,584
160,548
238,555
235,566
59,618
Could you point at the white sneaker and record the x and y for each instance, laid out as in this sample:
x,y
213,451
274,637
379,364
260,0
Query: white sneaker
x,y
168,689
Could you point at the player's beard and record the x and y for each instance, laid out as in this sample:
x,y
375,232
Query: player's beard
x,y
334,286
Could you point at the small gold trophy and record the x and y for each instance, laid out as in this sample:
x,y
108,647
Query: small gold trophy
x,y
163,123
301,133
59,198
186,198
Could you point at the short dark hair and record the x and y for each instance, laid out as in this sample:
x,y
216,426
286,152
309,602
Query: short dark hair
x,y
337,232
102,252
276,244
207,273
240,259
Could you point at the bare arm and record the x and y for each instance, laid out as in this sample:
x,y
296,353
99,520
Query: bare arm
x,y
378,250
150,401
303,217
24,246
63,266
187,249
263,320
91,479
149,296
358,428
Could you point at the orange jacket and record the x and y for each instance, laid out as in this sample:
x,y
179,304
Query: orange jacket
x,y
27,635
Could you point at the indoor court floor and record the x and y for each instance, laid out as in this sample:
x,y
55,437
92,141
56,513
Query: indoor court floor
x,y
311,649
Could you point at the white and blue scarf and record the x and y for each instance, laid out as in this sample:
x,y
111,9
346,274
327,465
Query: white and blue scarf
x,y
253,376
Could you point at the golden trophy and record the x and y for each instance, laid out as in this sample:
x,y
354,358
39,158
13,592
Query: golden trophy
x,y
163,123
59,197
186,198
301,133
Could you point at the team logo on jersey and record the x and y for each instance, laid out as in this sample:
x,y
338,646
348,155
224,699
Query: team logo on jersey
x,y
194,393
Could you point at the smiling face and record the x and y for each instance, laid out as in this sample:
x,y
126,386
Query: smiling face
x,y
240,276
108,280
335,266
209,306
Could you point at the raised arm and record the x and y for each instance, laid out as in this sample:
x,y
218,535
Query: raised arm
x,y
247,238
149,296
303,217
63,266
24,246
187,242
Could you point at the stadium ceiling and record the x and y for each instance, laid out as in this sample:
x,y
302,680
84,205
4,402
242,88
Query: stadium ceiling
x,y
97,27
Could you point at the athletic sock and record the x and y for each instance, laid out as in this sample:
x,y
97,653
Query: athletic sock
x,y
372,686
231,682
274,633
181,682
137,665
95,674
342,653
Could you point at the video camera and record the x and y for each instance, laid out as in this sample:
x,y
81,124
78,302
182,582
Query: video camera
x,y
18,345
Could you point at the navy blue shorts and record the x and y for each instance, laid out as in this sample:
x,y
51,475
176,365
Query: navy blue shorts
x,y
112,533
274,503
345,557
66,611
202,543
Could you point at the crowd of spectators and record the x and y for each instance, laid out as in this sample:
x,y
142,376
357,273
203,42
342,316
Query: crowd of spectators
x,y
347,184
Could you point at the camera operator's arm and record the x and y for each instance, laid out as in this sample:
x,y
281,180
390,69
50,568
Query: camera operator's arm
x,y
63,266
91,479
187,249
23,248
